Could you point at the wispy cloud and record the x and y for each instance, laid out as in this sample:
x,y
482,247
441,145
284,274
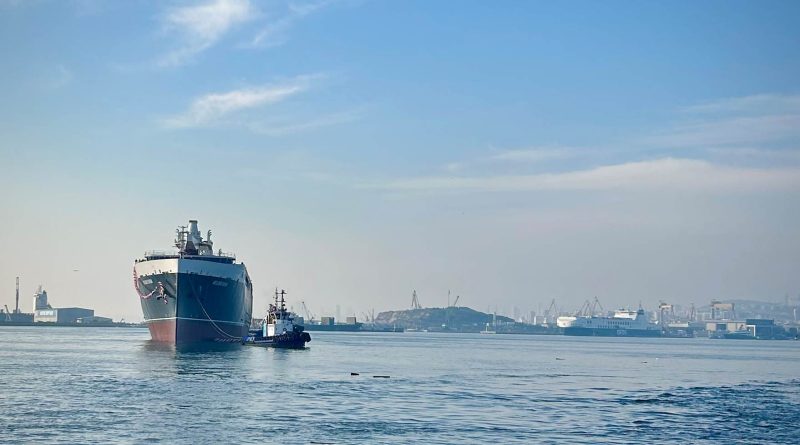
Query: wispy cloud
x,y
754,104
764,120
211,108
282,128
201,26
275,32
521,157
12,3
747,131
747,143
757,154
453,167
60,77
535,154
663,174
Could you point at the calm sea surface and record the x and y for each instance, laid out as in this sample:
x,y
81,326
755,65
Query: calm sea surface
x,y
111,385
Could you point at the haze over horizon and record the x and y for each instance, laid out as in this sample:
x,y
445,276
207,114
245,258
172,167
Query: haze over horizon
x,y
350,151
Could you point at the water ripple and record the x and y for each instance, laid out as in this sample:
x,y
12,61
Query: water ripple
x,y
113,386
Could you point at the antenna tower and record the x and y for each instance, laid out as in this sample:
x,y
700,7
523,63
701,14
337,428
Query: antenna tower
x,y
16,309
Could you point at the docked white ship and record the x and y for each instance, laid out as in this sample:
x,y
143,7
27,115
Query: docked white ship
x,y
624,323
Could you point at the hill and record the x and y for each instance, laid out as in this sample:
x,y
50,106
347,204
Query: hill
x,y
462,319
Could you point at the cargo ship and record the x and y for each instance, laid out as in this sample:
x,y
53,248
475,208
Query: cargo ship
x,y
624,323
330,324
193,294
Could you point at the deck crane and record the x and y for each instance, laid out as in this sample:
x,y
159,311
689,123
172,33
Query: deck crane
x,y
8,313
455,303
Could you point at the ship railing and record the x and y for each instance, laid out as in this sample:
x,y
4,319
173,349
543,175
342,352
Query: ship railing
x,y
150,253
225,254
175,253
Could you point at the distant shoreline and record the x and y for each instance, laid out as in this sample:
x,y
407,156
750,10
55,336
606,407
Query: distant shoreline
x,y
76,325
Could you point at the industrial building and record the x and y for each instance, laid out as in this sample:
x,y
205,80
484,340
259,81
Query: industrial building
x,y
725,325
43,312
94,320
757,328
7,316
62,315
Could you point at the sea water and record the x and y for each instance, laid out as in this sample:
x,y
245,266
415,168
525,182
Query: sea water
x,y
112,385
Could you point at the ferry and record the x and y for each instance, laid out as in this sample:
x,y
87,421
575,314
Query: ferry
x,y
624,323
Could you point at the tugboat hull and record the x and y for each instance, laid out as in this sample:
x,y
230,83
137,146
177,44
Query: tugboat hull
x,y
289,340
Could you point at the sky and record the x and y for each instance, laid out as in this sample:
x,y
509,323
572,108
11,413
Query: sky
x,y
351,151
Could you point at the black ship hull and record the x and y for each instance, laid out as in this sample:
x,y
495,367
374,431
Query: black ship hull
x,y
189,307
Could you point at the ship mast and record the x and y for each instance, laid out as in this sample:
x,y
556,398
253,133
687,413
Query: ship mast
x,y
180,238
280,304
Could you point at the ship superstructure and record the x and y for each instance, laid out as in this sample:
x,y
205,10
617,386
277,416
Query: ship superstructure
x,y
194,294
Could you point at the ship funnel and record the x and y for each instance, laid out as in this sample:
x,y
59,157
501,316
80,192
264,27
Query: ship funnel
x,y
194,239
193,230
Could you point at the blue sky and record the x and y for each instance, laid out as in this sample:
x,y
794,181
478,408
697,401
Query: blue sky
x,y
350,151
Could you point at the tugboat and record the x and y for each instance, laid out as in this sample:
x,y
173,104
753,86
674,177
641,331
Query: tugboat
x,y
278,329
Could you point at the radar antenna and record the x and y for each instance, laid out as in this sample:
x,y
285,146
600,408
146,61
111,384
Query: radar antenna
x,y
180,237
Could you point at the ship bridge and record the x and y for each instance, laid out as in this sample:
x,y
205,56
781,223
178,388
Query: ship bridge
x,y
190,244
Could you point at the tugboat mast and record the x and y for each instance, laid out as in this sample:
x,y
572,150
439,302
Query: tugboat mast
x,y
278,310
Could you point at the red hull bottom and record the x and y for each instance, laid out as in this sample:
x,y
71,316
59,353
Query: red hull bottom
x,y
194,331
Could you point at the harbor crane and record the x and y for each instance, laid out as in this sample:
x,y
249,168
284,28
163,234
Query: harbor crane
x,y
589,308
415,301
369,316
665,309
597,304
550,312
584,310
306,311
455,302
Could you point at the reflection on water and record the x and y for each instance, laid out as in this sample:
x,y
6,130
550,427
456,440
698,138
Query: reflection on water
x,y
213,360
188,348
